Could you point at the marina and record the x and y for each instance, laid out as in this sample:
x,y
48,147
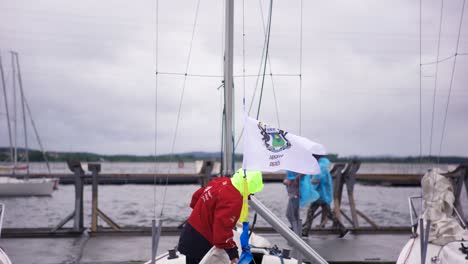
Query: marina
x,y
396,174
118,248
127,243
233,132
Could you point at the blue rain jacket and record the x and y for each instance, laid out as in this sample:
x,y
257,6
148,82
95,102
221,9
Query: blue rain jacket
x,y
325,186
308,194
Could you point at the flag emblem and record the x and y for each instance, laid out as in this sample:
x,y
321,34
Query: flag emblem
x,y
271,149
274,139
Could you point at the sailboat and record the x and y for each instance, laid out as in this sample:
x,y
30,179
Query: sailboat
x,y
22,185
4,259
441,233
262,251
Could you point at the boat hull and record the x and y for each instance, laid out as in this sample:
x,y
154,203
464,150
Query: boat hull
x,y
449,254
262,250
31,187
4,258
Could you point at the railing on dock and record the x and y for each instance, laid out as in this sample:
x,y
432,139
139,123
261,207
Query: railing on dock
x,y
344,174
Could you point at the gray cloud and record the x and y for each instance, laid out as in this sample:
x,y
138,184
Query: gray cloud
x,y
88,70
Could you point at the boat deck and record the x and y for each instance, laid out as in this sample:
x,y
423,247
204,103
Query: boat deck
x,y
118,248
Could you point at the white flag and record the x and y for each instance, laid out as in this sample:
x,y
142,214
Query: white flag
x,y
271,149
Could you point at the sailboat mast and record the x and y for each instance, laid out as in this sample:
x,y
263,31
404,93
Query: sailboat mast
x,y
25,127
15,160
228,90
6,109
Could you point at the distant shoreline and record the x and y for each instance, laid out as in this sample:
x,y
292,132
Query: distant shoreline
x,y
37,156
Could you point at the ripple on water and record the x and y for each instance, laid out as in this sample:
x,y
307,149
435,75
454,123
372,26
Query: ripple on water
x,y
131,205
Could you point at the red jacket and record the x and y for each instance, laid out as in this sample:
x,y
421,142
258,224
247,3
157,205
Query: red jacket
x,y
216,210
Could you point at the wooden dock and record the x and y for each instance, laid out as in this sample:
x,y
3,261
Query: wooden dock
x,y
192,178
111,247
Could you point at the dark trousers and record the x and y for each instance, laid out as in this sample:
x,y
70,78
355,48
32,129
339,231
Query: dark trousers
x,y
190,260
325,210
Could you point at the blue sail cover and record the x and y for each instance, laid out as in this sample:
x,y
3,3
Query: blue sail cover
x,y
246,256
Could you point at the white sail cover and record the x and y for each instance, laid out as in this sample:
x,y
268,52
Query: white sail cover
x,y
271,149
438,201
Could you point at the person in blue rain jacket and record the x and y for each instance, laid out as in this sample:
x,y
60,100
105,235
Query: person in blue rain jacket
x,y
323,184
300,194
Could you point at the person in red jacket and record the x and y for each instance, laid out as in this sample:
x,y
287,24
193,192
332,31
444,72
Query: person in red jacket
x,y
216,210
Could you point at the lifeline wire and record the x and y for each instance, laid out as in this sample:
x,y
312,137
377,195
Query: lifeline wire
x,y
438,61
266,57
451,83
221,93
156,109
243,55
264,54
259,72
436,74
300,75
420,87
181,100
235,76
271,71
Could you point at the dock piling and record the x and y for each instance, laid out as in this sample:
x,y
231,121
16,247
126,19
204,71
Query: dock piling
x,y
348,177
77,214
95,168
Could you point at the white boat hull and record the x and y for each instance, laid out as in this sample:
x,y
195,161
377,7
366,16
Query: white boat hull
x,y
4,258
31,187
266,259
218,256
449,254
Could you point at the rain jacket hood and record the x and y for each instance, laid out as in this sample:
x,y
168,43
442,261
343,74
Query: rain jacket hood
x,y
254,181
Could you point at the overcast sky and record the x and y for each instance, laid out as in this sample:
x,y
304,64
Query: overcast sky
x,y
88,73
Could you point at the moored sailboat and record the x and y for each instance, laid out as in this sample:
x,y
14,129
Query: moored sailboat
x,y
4,259
254,247
20,185
441,233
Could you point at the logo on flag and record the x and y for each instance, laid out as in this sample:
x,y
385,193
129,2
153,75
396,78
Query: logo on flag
x,y
271,149
274,139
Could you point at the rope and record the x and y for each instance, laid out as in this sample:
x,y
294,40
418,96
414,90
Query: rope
x,y
271,72
443,246
156,48
243,55
438,61
451,83
436,74
181,100
235,76
190,75
279,74
420,81
259,71
258,75
409,251
221,94
39,142
266,57
300,72
274,97
4,82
